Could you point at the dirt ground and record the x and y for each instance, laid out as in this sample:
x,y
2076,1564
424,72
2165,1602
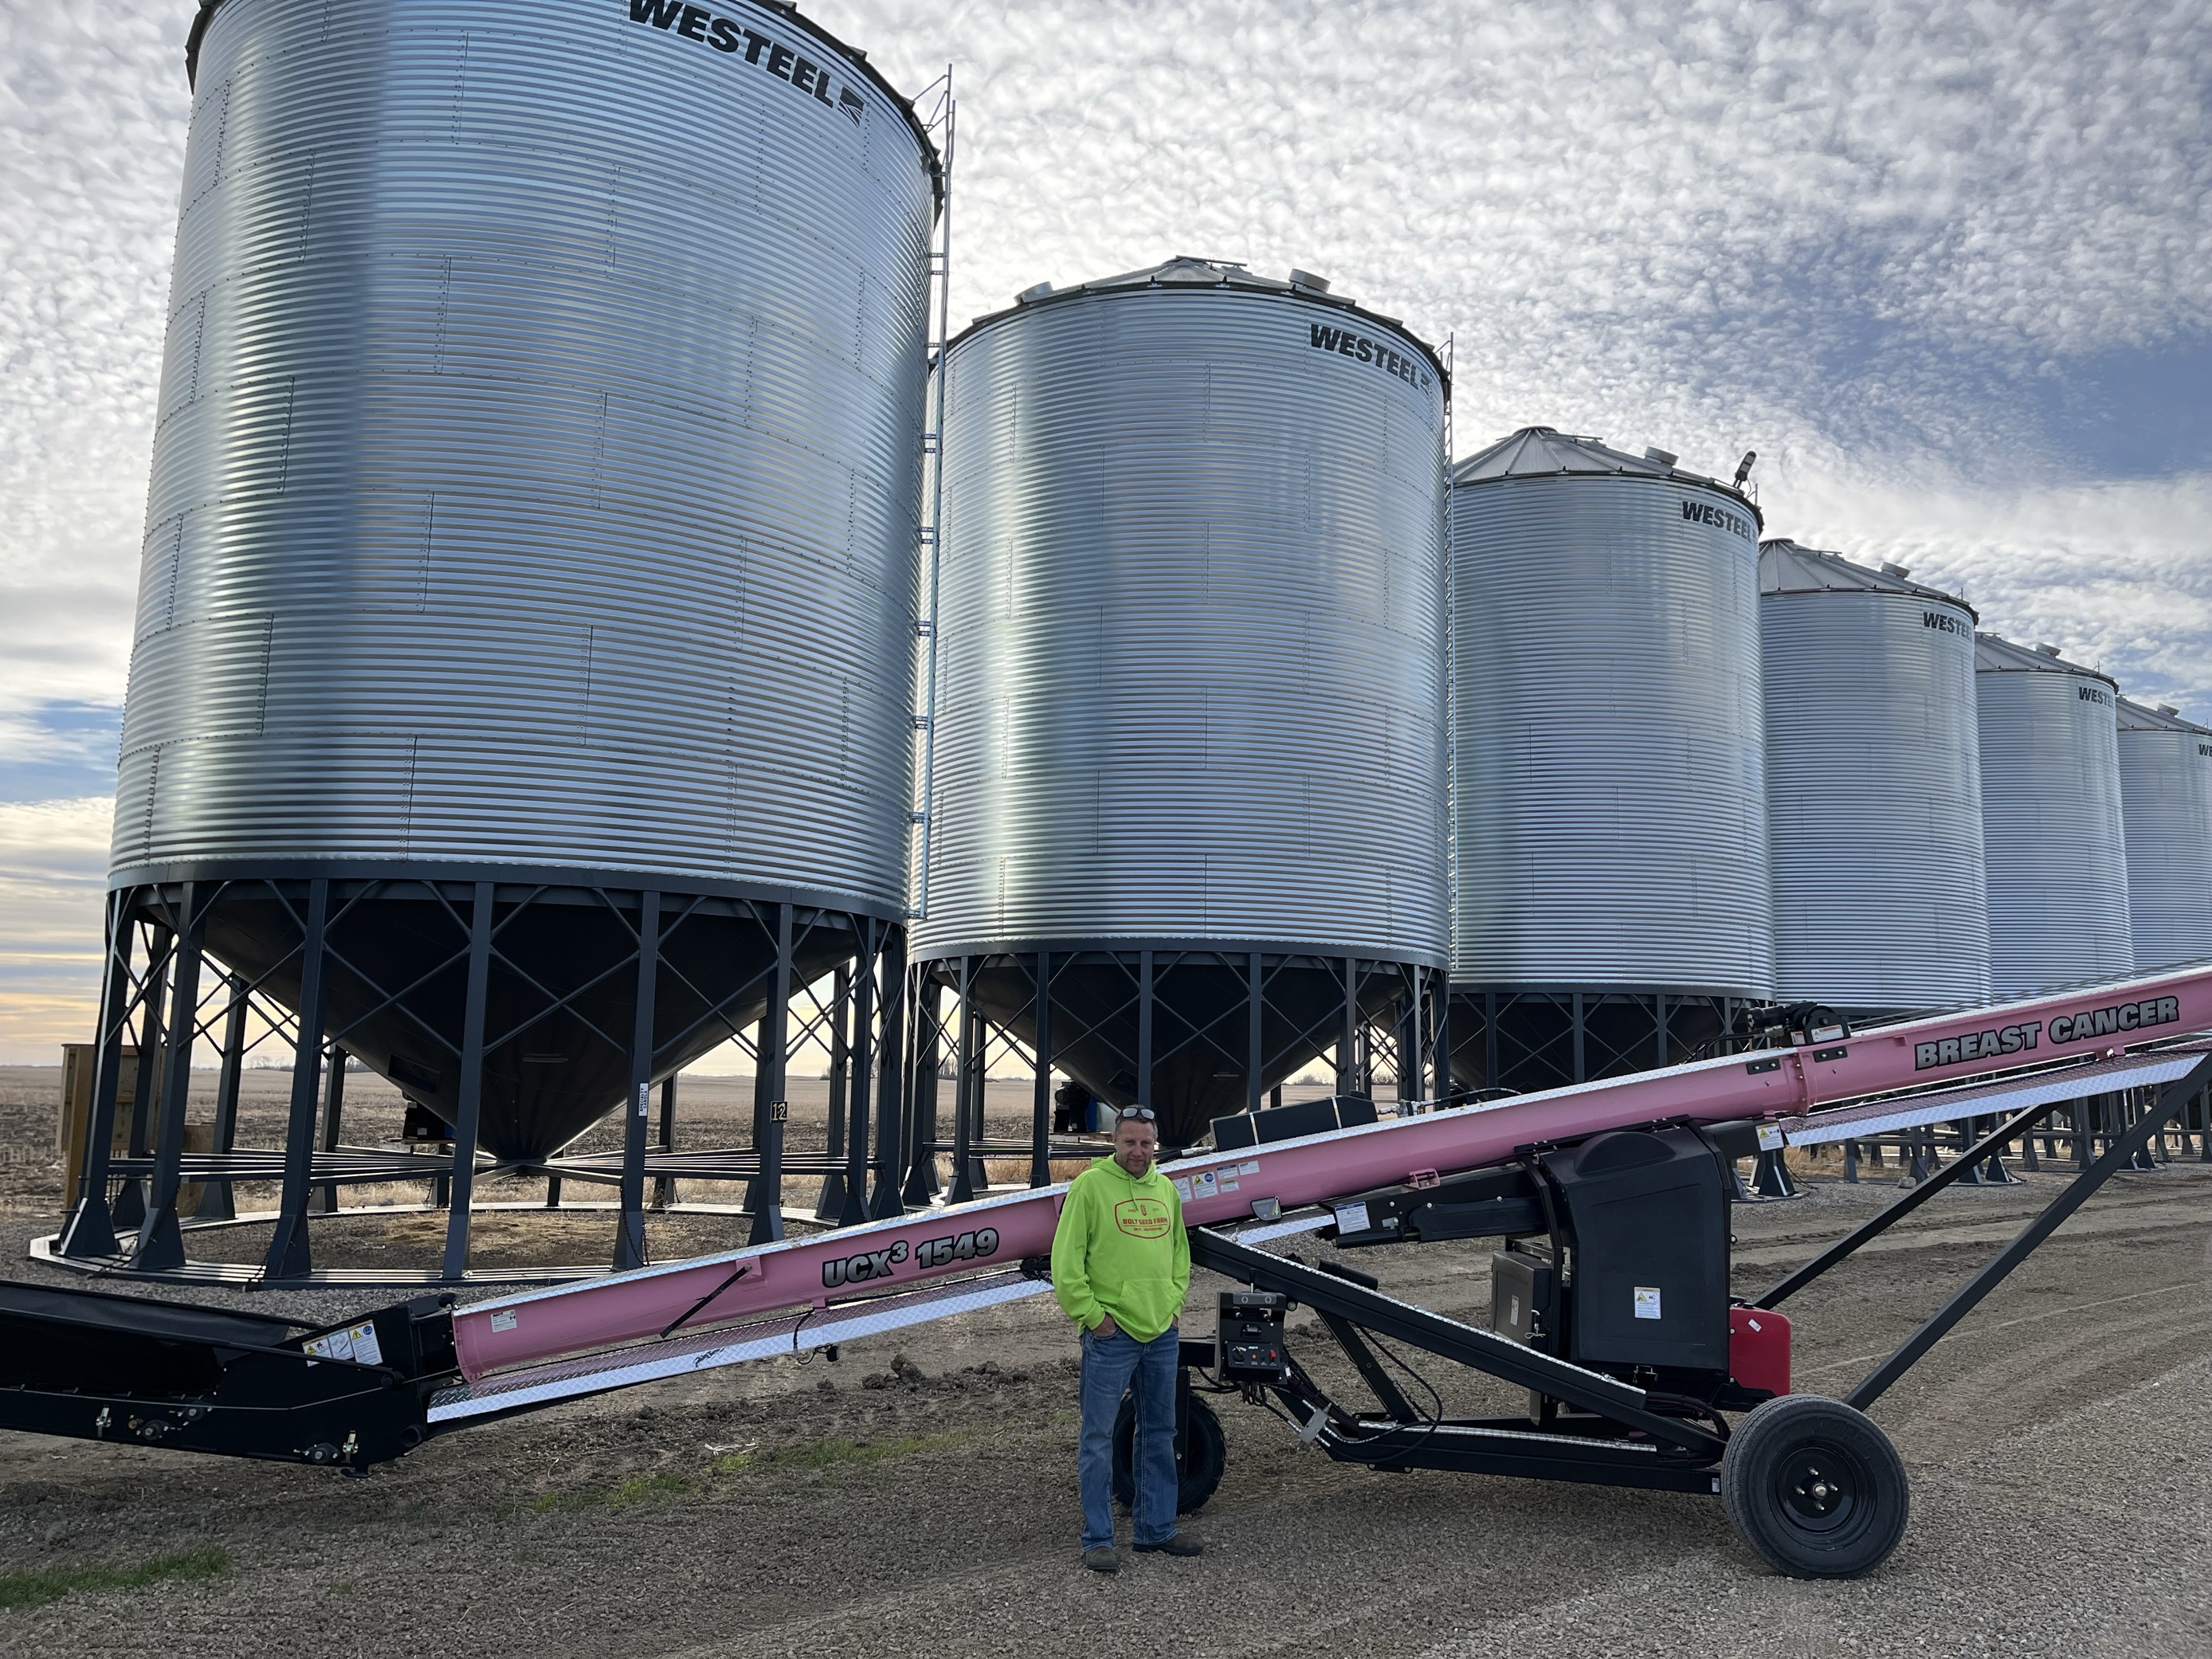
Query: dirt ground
x,y
2059,1444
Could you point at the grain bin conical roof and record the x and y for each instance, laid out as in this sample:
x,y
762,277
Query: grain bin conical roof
x,y
1787,567
1543,452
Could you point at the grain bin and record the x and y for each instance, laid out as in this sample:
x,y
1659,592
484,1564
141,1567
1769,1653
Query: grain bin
x,y
1873,803
2166,796
2051,824
1612,904
534,489
1190,734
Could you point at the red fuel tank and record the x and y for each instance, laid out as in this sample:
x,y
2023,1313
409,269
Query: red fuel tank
x,y
1759,1349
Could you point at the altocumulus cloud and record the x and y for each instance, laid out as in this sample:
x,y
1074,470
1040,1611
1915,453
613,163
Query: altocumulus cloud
x,y
1945,266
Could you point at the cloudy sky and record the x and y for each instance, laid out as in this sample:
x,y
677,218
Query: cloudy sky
x,y
1948,268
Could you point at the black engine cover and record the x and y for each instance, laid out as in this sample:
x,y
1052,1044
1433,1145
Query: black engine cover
x,y
1647,1214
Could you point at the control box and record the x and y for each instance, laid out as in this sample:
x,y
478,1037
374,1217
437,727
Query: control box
x,y
1523,1298
1248,1338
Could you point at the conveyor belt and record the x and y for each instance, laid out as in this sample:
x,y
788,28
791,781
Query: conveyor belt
x,y
1956,1054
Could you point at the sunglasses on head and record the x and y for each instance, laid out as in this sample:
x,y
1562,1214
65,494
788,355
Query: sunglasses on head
x,y
1142,1114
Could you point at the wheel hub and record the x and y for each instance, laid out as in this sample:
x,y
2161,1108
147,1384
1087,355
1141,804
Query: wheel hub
x,y
1818,1488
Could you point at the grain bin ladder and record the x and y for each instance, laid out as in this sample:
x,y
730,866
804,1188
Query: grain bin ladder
x,y
1541,1171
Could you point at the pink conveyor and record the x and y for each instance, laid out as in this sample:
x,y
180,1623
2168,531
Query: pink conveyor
x,y
813,1280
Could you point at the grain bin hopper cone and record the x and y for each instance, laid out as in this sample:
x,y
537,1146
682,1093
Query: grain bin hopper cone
x,y
1202,1027
562,986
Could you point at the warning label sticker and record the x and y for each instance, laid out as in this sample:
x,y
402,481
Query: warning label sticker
x,y
1647,1302
357,1342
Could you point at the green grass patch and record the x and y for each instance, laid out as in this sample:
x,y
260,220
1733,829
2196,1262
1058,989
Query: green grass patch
x,y
839,1453
836,1453
645,1489
34,1590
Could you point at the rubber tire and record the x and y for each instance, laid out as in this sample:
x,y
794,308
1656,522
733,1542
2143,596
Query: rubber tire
x,y
1765,1487
1198,1470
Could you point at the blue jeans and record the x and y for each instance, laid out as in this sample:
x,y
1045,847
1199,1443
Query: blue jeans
x,y
1110,1365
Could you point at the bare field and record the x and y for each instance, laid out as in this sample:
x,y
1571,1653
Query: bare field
x,y
712,1111
2058,1442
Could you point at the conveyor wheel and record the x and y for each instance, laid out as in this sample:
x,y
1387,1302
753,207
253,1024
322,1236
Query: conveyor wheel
x,y
1815,1487
1199,1462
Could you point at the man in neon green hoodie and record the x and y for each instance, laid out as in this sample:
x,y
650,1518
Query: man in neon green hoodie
x,y
1120,1267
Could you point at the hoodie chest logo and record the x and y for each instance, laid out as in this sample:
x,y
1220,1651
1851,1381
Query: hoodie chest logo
x,y
1142,1218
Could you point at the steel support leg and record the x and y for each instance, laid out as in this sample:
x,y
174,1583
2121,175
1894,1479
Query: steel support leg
x,y
965,1087
664,1186
288,1254
146,1085
327,1201
215,1200
1365,1054
637,1104
831,1199
2144,1158
979,1179
91,1230
1040,1100
1347,1035
1413,1067
469,1110
161,1240
1994,1173
771,1105
1440,1029
853,1198
1255,1056
921,1113
1145,1029
891,1077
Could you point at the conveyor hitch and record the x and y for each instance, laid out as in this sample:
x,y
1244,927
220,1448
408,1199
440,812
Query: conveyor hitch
x,y
96,1366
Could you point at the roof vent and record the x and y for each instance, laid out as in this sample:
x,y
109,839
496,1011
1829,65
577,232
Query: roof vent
x,y
1661,456
2047,650
1896,570
1029,294
1307,279
2167,709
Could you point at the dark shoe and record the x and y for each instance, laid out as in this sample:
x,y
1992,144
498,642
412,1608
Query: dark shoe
x,y
1100,1558
1182,1544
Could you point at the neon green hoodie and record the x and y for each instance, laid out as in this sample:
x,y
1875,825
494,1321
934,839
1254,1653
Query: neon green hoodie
x,y
1120,1249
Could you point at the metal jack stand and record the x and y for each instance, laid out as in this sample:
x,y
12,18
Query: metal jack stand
x,y
1770,1178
